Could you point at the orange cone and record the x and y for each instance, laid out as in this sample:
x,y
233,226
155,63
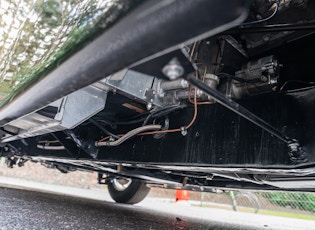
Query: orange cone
x,y
182,195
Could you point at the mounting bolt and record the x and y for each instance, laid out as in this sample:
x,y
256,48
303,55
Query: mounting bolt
x,y
266,37
263,78
296,152
294,146
149,106
173,69
183,131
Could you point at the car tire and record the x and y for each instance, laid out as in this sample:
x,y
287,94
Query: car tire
x,y
127,191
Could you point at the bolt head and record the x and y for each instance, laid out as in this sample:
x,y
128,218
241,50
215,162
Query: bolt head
x,y
149,106
173,69
183,131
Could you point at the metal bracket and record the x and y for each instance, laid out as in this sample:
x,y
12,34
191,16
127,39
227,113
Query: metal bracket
x,y
76,144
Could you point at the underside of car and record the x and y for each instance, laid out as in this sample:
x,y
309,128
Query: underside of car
x,y
188,94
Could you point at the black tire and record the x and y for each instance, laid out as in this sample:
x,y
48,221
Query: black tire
x,y
135,192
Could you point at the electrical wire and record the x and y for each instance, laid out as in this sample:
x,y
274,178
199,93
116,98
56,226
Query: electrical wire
x,y
237,78
131,122
159,113
156,114
275,28
217,63
103,129
264,19
162,112
193,50
168,130
141,131
178,129
295,81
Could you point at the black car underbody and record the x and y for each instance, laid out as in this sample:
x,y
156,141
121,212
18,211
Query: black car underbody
x,y
198,94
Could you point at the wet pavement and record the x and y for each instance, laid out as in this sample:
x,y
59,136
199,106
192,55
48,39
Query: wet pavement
x,y
33,210
23,209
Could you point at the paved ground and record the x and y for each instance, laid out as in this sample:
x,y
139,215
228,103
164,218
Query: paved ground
x,y
32,210
22,209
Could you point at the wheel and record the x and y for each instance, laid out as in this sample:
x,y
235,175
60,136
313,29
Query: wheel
x,y
127,191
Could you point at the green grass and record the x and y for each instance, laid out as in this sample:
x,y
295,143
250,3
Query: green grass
x,y
286,214
263,212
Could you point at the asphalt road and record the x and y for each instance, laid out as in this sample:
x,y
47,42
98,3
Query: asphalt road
x,y
33,210
60,207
